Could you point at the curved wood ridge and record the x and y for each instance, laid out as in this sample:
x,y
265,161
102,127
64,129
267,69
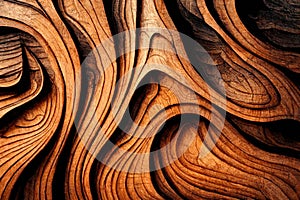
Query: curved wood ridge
x,y
138,99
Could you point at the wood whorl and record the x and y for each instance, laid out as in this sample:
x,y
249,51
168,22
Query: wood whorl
x,y
131,99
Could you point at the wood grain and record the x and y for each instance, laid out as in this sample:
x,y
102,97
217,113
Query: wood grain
x,y
127,99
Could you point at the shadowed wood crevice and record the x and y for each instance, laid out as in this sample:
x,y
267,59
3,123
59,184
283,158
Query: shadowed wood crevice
x,y
278,137
277,21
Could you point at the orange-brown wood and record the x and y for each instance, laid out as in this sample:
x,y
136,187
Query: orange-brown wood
x,y
138,99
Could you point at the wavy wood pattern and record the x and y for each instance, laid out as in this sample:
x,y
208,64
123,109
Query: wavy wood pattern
x,y
127,99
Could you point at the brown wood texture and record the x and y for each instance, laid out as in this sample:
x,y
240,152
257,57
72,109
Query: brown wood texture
x,y
61,105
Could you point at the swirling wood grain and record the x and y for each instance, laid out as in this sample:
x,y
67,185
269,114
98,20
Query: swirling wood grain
x,y
68,87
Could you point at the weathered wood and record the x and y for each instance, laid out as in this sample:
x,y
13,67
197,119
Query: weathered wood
x,y
159,99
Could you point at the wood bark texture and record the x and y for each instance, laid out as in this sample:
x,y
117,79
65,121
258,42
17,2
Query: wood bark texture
x,y
68,87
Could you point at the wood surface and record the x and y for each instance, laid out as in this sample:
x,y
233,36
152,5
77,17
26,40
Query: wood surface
x,y
69,88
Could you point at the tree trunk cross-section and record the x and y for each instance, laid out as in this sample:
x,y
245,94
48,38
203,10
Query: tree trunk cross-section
x,y
149,99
